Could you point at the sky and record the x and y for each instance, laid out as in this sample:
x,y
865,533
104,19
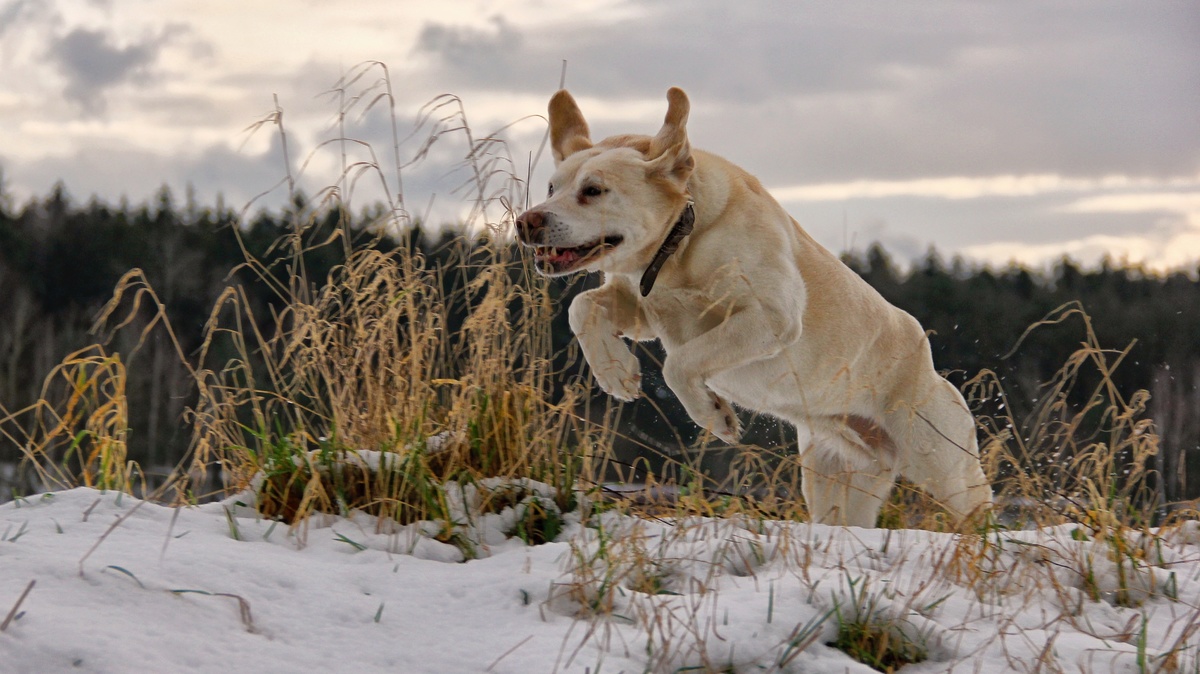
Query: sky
x,y
997,131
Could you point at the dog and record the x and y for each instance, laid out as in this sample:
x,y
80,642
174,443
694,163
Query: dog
x,y
751,311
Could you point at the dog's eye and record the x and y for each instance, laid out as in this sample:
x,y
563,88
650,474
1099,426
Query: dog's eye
x,y
550,190
591,191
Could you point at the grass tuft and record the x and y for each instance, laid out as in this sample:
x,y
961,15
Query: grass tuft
x,y
868,632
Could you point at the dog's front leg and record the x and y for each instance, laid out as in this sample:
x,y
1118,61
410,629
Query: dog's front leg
x,y
599,318
744,337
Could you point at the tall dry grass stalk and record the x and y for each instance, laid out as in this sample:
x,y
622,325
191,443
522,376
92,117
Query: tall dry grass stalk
x,y
75,434
366,359
369,363
1086,447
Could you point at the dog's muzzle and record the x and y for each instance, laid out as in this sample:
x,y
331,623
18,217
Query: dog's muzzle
x,y
556,260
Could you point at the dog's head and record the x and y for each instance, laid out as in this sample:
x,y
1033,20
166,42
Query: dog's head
x,y
609,205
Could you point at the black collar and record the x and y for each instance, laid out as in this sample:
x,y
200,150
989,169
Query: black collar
x,y
683,227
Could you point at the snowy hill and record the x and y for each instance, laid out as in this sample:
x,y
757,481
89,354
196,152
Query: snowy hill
x,y
118,585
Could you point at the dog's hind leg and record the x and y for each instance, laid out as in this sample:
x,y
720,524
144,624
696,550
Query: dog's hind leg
x,y
939,451
841,485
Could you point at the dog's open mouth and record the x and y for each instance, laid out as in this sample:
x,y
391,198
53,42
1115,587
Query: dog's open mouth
x,y
553,260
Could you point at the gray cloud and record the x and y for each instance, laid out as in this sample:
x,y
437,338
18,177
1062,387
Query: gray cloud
x,y
908,226
109,172
881,90
434,185
19,14
13,14
468,47
24,22
92,62
796,93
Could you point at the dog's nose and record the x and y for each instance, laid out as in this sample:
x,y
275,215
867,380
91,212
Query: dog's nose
x,y
530,225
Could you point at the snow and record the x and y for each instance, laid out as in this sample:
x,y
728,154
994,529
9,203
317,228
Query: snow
x,y
124,585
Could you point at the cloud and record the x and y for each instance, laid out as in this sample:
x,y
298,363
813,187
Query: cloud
x,y
1158,251
109,172
454,57
92,63
20,14
1028,138
1171,241
469,46
1185,203
1034,218
908,225
440,185
22,23
13,14
962,187
954,124
874,90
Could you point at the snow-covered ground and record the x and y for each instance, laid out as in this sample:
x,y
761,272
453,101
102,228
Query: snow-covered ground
x,y
127,586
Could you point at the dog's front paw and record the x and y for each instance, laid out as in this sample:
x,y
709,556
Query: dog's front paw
x,y
618,372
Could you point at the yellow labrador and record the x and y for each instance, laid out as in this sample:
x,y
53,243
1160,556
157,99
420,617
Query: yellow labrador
x,y
750,310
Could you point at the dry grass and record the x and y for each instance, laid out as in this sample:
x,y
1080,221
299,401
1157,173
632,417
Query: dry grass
x,y
75,434
362,360
365,360
1081,451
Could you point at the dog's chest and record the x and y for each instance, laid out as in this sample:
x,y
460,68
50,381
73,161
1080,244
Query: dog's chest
x,y
678,315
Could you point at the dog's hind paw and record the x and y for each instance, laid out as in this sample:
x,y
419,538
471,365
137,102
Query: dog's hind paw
x,y
709,410
725,423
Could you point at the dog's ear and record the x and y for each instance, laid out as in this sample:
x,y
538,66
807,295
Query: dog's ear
x,y
568,129
670,152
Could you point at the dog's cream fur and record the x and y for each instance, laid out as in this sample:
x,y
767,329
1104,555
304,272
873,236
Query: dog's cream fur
x,y
750,310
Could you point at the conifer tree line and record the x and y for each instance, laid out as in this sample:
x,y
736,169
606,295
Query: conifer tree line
x,y
60,260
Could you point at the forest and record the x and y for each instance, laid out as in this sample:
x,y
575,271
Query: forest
x,y
60,261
